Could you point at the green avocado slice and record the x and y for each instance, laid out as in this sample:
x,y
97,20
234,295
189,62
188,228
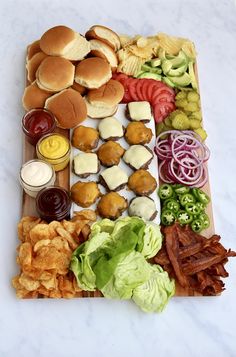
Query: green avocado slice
x,y
155,76
192,76
181,81
178,71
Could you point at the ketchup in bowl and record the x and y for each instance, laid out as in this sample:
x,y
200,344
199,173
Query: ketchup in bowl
x,y
36,123
53,203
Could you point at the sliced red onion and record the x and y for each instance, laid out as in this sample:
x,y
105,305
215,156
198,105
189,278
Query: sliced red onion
x,y
182,158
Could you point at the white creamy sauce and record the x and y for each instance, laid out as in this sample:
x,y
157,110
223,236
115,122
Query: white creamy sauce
x,y
110,127
137,156
36,173
86,163
142,207
114,177
140,111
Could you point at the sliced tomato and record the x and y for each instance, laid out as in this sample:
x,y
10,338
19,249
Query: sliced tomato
x,y
139,85
151,89
160,97
162,110
132,89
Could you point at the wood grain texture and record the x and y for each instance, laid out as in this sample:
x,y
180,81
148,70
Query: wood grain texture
x,y
63,180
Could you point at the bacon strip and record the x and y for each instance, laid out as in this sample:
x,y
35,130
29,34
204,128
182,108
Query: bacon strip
x,y
193,260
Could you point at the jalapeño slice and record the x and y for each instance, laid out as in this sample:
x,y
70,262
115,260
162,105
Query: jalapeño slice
x,y
197,225
172,205
165,191
184,217
167,217
192,208
187,198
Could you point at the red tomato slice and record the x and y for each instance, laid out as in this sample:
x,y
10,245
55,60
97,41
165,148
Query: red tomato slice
x,y
162,110
139,86
145,87
151,89
160,97
132,90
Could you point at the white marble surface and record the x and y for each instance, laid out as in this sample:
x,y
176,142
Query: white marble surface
x,y
189,326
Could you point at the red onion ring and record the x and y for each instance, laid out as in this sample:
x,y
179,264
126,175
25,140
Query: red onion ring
x,y
182,156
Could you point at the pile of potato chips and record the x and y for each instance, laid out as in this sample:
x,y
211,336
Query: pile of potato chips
x,y
137,50
44,255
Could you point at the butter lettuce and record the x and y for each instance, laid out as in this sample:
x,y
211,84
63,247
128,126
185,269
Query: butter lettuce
x,y
155,292
113,260
130,272
152,240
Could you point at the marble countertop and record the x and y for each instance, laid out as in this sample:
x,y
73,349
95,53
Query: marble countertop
x,y
97,327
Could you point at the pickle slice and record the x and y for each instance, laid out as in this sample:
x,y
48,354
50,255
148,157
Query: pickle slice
x,y
193,97
202,133
181,95
194,123
181,122
191,107
181,103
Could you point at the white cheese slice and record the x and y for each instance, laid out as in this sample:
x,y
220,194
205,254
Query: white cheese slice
x,y
114,177
110,127
142,207
140,111
137,156
86,163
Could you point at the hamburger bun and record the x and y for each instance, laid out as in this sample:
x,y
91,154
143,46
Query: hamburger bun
x,y
55,74
32,49
33,64
93,72
102,50
64,42
76,86
108,95
68,107
34,97
104,34
99,112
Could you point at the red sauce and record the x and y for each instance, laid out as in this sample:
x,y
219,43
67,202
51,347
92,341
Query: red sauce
x,y
37,123
53,203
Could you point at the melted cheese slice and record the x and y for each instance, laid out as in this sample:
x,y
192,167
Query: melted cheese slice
x,y
110,127
142,207
114,177
140,111
86,163
137,156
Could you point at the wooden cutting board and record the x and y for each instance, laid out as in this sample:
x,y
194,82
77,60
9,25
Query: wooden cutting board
x,y
63,180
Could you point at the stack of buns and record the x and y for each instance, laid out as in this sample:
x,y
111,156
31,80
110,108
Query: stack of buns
x,y
63,66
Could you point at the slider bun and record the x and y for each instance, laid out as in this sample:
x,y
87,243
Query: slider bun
x,y
93,72
33,64
68,107
64,42
102,50
81,89
108,95
100,112
104,34
34,97
32,49
55,74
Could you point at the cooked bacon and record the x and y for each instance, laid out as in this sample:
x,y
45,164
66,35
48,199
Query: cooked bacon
x,y
193,260
172,247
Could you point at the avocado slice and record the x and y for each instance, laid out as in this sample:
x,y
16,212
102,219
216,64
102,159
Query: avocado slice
x,y
161,54
167,81
155,62
181,81
166,66
150,75
178,71
147,68
192,76
179,60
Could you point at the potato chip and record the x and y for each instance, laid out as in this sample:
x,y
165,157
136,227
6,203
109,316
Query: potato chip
x,y
25,226
25,254
44,256
28,283
172,45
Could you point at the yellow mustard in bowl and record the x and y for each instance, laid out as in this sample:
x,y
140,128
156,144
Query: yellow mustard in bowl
x,y
55,149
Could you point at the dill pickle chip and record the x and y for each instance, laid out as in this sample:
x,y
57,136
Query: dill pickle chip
x,y
181,95
182,103
168,121
192,107
160,128
193,96
181,122
194,123
197,115
202,133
